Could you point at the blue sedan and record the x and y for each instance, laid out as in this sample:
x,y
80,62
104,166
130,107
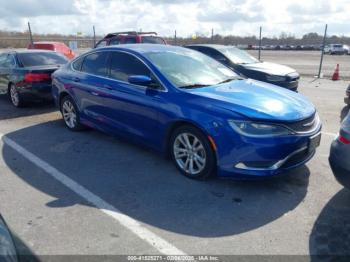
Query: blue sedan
x,y
186,104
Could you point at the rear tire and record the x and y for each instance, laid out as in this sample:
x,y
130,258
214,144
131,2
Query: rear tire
x,y
192,153
15,97
70,114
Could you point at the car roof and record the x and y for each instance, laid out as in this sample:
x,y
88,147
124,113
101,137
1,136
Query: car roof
x,y
143,48
215,46
48,43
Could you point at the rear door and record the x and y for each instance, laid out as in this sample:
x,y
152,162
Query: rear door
x,y
88,82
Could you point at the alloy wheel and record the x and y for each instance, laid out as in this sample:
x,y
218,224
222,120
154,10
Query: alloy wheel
x,y
189,153
69,114
14,96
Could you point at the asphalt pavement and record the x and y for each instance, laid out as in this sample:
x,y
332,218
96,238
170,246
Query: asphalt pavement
x,y
87,193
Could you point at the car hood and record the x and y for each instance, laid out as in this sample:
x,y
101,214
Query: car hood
x,y
257,100
269,68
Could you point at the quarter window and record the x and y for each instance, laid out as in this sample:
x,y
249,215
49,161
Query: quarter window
x,y
96,64
77,63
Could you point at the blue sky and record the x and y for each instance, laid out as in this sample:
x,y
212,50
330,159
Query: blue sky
x,y
238,17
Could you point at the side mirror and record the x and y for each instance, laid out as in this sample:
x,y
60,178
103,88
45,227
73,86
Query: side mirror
x,y
141,80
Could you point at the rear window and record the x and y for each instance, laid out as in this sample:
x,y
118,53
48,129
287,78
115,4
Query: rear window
x,y
44,46
37,59
152,40
338,46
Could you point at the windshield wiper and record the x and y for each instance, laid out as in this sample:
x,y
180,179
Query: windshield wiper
x,y
194,86
229,80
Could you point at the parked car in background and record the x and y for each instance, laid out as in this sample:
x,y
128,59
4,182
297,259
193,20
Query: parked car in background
x,y
58,47
246,65
131,37
183,102
8,252
347,96
339,158
26,75
336,49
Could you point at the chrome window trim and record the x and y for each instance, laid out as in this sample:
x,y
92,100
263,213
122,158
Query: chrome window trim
x,y
163,88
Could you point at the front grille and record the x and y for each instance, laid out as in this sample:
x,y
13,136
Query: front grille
x,y
304,126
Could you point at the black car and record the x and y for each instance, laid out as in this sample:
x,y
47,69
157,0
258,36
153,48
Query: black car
x,y
246,65
347,96
26,75
340,154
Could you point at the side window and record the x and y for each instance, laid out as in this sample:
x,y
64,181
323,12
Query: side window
x,y
9,62
130,40
114,41
216,55
96,64
77,64
2,59
124,65
102,43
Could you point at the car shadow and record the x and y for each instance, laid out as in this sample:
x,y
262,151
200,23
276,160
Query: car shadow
x,y
8,111
147,187
344,112
23,252
330,236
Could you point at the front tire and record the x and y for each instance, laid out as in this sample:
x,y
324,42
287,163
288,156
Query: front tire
x,y
70,114
15,97
192,153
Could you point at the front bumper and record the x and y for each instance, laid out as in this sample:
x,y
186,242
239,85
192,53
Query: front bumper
x,y
262,157
291,85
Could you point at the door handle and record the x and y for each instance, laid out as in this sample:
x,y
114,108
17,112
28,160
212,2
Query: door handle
x,y
76,79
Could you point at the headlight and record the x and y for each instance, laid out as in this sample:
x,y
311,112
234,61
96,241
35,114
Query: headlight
x,y
253,129
274,78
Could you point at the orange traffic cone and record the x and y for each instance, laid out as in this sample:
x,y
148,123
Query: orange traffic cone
x,y
335,76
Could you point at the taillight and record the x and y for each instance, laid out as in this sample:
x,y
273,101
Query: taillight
x,y
37,77
344,140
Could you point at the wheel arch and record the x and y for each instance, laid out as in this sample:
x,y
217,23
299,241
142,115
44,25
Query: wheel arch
x,y
176,124
61,96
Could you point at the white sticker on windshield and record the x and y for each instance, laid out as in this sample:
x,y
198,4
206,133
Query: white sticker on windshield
x,y
225,71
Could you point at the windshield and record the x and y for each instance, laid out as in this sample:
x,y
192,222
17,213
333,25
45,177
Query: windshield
x,y
44,58
238,56
188,68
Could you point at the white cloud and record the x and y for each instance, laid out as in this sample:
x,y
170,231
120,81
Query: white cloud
x,y
238,17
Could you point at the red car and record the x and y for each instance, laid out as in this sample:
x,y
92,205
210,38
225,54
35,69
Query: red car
x,y
58,47
131,37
